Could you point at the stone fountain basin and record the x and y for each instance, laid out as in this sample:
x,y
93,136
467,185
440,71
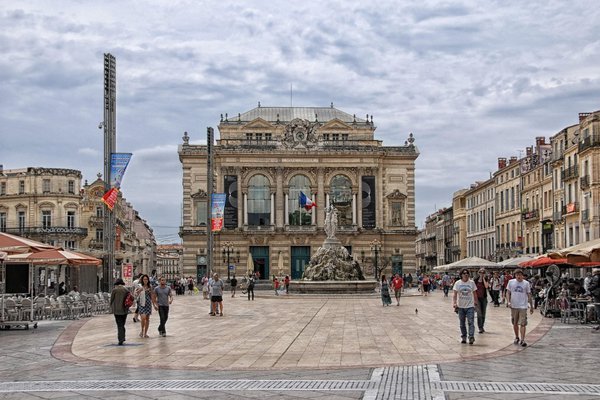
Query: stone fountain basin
x,y
332,287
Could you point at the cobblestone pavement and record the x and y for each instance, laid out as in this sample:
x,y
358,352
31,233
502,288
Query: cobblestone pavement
x,y
69,359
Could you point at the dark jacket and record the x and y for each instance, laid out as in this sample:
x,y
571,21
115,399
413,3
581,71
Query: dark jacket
x,y
594,287
117,298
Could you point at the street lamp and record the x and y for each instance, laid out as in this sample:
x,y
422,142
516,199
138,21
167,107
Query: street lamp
x,y
227,250
375,246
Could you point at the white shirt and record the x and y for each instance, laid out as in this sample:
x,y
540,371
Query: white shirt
x,y
465,292
519,293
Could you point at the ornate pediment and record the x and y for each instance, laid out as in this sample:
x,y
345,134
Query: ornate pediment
x,y
336,124
258,123
200,194
300,133
396,195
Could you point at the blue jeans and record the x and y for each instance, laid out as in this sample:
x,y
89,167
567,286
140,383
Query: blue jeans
x,y
469,315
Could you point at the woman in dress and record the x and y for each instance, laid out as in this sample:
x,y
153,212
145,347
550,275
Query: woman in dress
x,y
386,299
145,297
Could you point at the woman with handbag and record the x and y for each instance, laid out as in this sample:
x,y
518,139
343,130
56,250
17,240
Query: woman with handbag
x,y
145,297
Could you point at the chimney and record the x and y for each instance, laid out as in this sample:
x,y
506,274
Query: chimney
x,y
583,116
501,162
513,160
540,140
529,151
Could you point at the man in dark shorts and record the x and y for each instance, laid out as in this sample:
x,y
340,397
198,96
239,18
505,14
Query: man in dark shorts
x,y
233,284
216,297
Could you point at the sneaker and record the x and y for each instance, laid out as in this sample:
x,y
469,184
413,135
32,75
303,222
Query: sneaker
x,y
213,314
135,319
523,344
516,341
221,314
482,331
164,334
471,340
464,341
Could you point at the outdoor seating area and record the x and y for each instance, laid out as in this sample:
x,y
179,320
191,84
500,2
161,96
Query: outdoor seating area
x,y
19,308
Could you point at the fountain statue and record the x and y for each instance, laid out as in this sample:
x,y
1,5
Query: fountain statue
x,y
332,262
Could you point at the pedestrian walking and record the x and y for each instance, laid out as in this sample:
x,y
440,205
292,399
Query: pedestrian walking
x,y
216,297
446,283
117,307
163,299
594,290
145,297
518,295
495,287
233,282
426,283
385,292
482,282
250,288
397,284
276,285
286,282
464,300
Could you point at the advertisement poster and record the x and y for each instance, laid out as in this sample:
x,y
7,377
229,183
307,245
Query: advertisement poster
x,y
127,274
118,165
231,205
218,207
368,202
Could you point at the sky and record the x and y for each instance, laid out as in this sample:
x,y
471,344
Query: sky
x,y
472,80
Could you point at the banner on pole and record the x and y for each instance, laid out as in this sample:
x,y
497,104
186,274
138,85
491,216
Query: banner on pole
x,y
118,165
110,198
127,274
218,207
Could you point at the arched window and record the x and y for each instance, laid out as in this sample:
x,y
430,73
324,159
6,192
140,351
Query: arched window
x,y
259,201
298,215
340,196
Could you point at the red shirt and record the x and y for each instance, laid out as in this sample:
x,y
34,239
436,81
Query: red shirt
x,y
398,283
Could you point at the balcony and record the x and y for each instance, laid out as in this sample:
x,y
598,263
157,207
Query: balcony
x,y
528,215
570,208
588,142
570,173
584,182
300,228
52,230
557,217
585,215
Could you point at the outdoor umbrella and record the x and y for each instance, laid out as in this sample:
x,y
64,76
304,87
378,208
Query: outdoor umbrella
x,y
12,244
543,261
515,262
250,264
56,257
473,262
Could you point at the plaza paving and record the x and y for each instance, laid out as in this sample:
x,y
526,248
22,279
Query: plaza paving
x,y
296,346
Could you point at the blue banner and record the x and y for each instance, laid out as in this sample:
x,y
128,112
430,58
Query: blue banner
x,y
218,208
118,165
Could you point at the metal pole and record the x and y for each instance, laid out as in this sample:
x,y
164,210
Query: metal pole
x,y
210,189
110,138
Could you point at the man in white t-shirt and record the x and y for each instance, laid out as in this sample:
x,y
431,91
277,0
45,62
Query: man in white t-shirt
x,y
518,295
464,301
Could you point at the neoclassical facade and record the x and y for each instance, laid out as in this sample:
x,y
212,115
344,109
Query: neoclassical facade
x,y
266,157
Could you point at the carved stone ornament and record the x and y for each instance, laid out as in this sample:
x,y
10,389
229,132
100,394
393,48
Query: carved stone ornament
x,y
396,194
200,194
300,133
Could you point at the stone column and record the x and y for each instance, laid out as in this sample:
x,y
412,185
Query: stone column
x,y
353,208
245,209
313,217
273,209
286,217
279,218
321,205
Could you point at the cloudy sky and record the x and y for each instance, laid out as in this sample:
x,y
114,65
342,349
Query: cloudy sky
x,y
473,80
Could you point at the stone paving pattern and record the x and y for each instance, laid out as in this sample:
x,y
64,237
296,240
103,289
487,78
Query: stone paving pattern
x,y
298,337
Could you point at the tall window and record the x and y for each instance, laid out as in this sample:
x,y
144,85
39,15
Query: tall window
x,y
100,212
70,244
99,236
298,215
201,212
21,220
21,187
340,196
46,218
46,186
71,187
2,188
70,219
259,201
2,222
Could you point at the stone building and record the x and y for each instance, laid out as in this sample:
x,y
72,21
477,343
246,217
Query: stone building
x,y
480,220
459,233
508,209
169,261
266,157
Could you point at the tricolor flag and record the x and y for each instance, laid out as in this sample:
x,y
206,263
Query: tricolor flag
x,y
305,202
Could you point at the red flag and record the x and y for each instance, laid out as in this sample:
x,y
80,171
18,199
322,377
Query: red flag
x,y
110,198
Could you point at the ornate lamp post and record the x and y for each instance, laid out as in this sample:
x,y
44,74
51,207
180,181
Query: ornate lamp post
x,y
375,246
227,251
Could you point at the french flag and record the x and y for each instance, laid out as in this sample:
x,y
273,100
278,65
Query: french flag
x,y
305,202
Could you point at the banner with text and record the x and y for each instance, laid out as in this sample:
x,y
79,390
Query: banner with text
x,y
218,207
118,165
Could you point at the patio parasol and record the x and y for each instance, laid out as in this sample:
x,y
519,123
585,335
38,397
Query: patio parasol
x,y
12,244
543,261
250,264
56,256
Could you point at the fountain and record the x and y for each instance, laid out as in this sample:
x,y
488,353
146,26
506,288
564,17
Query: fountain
x,y
331,269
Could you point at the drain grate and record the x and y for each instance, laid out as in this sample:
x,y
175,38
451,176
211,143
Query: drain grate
x,y
509,387
402,382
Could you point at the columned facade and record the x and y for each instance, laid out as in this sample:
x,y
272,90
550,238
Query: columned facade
x,y
265,158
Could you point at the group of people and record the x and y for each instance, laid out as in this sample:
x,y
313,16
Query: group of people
x,y
147,297
396,284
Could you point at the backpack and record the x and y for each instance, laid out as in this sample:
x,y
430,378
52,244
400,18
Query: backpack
x,y
128,301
